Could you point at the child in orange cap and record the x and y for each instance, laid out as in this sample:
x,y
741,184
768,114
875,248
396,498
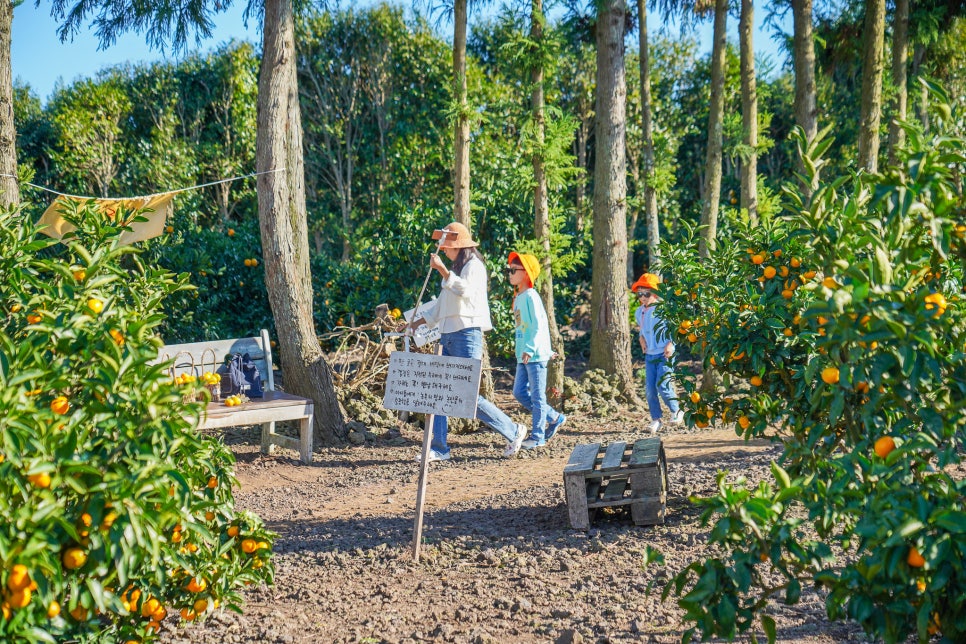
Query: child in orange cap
x,y
658,348
533,350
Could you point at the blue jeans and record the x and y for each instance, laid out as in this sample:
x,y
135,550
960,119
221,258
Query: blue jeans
x,y
530,390
657,380
468,343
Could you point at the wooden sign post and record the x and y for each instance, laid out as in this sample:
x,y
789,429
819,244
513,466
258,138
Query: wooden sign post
x,y
431,384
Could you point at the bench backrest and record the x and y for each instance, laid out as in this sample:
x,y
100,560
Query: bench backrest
x,y
199,357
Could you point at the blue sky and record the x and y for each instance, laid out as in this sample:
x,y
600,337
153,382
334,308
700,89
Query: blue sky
x,y
41,60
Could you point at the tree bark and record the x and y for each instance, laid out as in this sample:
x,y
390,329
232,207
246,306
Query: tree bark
x,y
806,100
9,190
647,131
461,141
872,68
712,189
900,58
749,112
541,210
610,347
282,219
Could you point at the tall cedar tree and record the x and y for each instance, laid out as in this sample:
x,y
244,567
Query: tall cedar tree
x,y
610,345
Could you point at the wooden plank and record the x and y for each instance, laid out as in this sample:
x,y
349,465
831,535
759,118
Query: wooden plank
x,y
613,457
576,490
582,459
645,452
615,489
593,490
627,500
650,511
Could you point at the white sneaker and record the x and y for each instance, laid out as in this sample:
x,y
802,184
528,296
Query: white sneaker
x,y
433,456
655,425
678,417
513,447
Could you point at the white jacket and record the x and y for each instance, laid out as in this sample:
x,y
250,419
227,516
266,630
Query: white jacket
x,y
463,300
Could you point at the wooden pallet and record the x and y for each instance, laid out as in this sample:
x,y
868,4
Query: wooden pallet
x,y
616,475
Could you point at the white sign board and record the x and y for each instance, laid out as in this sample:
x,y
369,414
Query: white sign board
x,y
431,384
424,334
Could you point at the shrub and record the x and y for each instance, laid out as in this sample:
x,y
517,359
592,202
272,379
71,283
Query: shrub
x,y
854,348
113,509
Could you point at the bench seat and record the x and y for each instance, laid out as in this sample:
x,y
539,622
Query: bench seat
x,y
274,406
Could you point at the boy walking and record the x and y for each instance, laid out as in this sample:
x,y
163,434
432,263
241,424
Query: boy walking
x,y
658,349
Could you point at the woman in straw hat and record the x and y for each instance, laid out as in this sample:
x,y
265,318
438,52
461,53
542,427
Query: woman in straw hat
x,y
533,350
463,315
658,348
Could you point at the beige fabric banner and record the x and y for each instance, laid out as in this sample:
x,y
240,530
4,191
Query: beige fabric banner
x,y
161,207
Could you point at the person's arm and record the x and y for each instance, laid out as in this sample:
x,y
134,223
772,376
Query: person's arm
x,y
639,316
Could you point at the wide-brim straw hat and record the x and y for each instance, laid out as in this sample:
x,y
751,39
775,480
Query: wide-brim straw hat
x,y
529,263
457,236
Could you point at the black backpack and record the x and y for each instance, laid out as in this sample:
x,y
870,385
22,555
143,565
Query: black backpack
x,y
243,377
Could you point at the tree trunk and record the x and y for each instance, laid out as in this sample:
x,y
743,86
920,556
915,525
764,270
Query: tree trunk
x,y
749,112
806,101
712,189
282,219
872,68
461,142
900,58
610,346
9,190
582,136
918,56
647,131
541,210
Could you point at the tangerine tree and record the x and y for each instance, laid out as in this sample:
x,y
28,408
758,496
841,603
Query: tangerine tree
x,y
839,328
114,510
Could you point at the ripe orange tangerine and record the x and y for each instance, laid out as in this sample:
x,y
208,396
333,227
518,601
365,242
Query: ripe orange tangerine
x,y
74,558
232,531
914,559
53,610
884,446
248,546
59,405
695,397
756,381
769,272
19,578
40,480
95,305
231,232
830,375
757,259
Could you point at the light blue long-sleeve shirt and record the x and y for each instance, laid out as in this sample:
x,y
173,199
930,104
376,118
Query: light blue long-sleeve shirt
x,y
532,327
653,330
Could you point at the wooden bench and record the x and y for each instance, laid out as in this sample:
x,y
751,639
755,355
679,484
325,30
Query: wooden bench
x,y
616,475
275,406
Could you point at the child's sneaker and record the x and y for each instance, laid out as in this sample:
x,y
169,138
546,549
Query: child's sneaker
x,y
655,425
531,444
555,426
433,456
678,417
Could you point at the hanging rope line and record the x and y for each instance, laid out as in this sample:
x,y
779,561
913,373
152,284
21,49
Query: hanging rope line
x,y
156,194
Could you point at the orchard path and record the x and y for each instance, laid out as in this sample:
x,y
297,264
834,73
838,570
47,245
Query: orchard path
x,y
500,562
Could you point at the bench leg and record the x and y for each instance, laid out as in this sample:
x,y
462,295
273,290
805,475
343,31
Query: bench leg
x,y
305,438
268,430
575,487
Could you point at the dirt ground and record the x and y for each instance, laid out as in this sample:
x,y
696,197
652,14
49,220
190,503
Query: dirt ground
x,y
499,561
